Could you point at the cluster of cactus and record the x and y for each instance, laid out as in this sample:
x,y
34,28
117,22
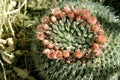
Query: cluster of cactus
x,y
84,34
71,34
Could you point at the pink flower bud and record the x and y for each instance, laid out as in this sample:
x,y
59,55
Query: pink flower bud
x,y
101,39
46,51
53,19
92,20
86,14
77,10
50,45
45,26
40,36
96,52
67,8
101,31
87,55
78,54
45,42
56,12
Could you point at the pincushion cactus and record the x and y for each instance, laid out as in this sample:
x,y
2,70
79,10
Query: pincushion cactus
x,y
77,41
72,34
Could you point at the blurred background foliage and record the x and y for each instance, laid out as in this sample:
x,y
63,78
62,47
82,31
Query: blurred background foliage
x,y
18,21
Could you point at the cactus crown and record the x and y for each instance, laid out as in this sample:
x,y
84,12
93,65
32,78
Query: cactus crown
x,y
71,34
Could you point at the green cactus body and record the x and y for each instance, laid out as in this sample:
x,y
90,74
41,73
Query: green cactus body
x,y
78,41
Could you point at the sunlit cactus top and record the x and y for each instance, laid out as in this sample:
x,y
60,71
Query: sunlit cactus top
x,y
72,34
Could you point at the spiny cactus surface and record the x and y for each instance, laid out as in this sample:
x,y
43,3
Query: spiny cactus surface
x,y
78,41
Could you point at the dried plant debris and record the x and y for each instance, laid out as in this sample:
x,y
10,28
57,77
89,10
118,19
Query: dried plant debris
x,y
6,48
40,4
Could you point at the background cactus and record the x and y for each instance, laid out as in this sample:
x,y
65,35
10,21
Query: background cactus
x,y
113,3
105,66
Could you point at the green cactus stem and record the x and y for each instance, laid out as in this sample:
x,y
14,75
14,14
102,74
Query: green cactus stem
x,y
78,41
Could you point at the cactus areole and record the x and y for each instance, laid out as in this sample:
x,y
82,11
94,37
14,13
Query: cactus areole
x,y
72,34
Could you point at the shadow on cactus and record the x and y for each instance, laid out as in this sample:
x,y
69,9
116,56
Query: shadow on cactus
x,y
77,41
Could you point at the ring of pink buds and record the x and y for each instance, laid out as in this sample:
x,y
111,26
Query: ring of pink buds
x,y
71,34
